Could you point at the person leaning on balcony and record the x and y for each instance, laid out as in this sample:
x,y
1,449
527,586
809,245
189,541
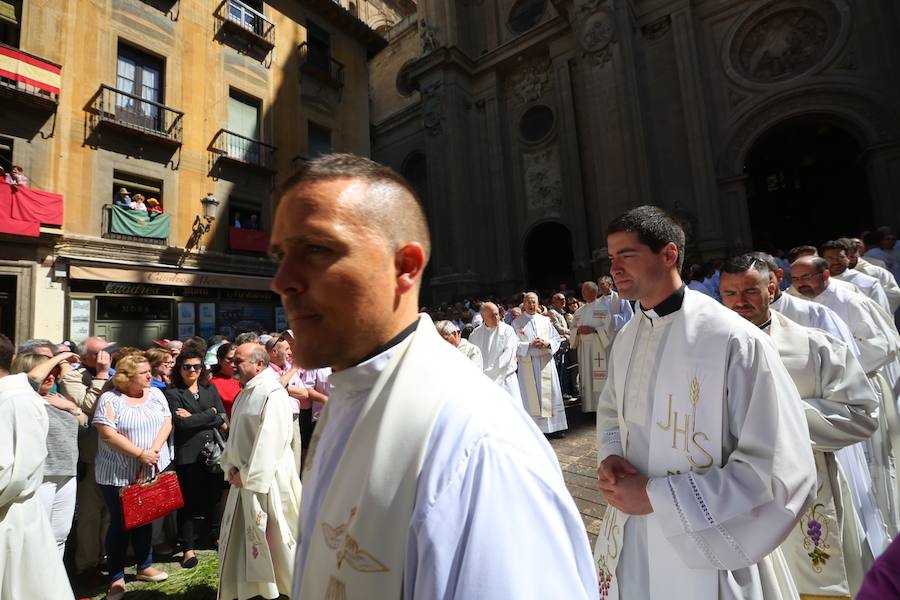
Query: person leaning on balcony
x,y
122,198
153,207
17,176
137,203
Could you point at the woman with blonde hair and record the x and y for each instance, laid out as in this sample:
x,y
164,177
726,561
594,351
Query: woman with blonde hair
x,y
57,490
133,422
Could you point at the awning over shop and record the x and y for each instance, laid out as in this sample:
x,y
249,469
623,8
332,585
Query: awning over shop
x,y
176,278
126,221
23,210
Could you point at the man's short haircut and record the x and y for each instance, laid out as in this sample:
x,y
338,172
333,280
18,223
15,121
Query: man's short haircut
x,y
29,346
798,251
259,354
872,238
745,262
6,353
838,244
770,263
445,328
820,264
390,206
248,337
606,278
591,285
848,241
654,227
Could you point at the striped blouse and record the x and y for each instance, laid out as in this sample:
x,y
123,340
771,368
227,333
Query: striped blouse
x,y
140,424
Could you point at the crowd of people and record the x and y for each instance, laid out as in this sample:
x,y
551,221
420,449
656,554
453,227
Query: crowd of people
x,y
746,431
112,412
124,199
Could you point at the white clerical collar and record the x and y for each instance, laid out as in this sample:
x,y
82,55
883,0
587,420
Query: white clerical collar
x,y
364,375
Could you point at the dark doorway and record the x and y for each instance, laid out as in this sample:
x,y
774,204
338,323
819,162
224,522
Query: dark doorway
x,y
548,257
806,184
8,306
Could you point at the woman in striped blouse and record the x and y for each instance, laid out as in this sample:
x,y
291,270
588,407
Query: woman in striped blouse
x,y
133,422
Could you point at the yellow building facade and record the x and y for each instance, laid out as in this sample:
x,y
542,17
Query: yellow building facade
x,y
202,105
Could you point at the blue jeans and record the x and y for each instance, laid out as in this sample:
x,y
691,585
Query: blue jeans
x,y
117,537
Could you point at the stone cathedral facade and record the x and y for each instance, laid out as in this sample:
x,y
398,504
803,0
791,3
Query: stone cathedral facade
x,y
527,125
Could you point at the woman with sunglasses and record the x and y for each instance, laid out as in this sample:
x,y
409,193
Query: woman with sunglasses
x,y
197,412
224,376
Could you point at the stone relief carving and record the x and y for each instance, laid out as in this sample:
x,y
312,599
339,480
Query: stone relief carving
x,y
529,81
433,108
657,29
595,28
427,37
785,39
543,182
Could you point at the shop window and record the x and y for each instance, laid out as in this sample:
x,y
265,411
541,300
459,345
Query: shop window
x,y
318,140
135,184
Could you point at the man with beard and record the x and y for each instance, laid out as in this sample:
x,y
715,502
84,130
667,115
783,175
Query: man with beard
x,y
836,254
878,343
841,409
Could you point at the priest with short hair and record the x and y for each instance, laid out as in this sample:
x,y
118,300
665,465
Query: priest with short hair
x,y
498,345
704,451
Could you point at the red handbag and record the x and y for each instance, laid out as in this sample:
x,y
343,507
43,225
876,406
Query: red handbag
x,y
147,500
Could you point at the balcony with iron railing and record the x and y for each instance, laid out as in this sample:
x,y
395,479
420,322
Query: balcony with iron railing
x,y
245,151
29,79
321,65
132,114
252,31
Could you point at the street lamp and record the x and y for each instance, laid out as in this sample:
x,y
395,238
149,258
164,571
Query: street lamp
x,y
210,207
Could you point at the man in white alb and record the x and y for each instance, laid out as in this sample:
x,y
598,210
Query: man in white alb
x,y
592,336
835,253
826,552
259,525
884,277
620,309
879,344
538,376
408,481
701,437
498,344
451,334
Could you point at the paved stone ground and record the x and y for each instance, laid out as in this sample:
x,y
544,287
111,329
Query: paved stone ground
x,y
577,453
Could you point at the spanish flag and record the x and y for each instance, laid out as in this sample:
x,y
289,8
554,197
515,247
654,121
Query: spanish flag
x,y
30,70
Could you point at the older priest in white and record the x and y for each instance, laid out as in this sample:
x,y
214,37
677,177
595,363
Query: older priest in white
x,y
30,566
701,437
498,344
538,378
259,526
826,552
412,466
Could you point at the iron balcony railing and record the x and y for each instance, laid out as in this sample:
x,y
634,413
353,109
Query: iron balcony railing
x,y
321,65
29,75
133,112
236,13
233,146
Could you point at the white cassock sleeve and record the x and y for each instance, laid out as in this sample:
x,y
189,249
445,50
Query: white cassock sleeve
x,y
273,436
609,440
477,542
877,347
23,448
731,517
555,340
847,411
506,362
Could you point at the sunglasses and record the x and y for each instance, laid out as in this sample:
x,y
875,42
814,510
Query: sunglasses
x,y
191,367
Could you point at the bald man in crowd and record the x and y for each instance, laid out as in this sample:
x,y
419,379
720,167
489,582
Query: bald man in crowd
x,y
409,476
498,344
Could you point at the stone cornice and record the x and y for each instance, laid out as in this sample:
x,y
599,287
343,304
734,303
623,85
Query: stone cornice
x,y
123,253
